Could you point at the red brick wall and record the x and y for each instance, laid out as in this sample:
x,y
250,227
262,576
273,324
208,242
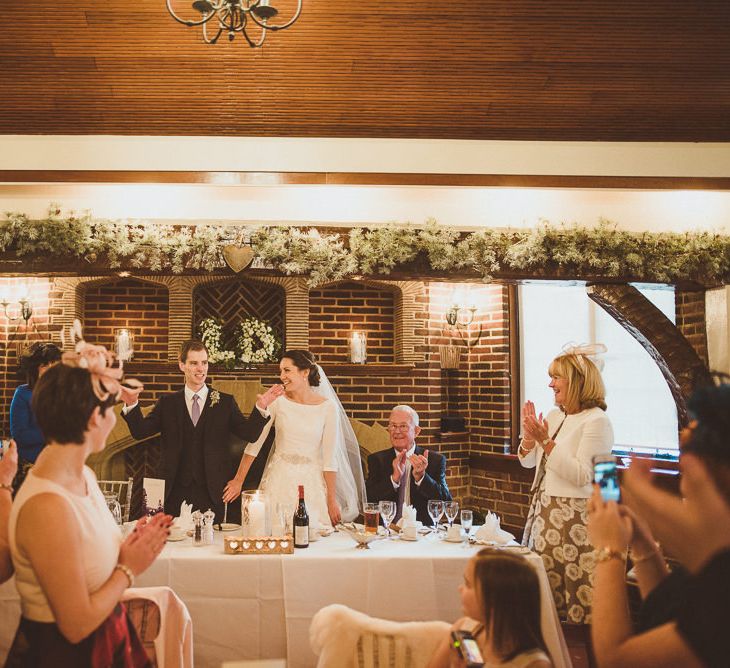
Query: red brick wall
x,y
137,305
690,313
335,311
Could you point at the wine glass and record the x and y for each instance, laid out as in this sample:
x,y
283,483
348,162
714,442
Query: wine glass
x,y
467,518
114,508
387,513
451,508
435,511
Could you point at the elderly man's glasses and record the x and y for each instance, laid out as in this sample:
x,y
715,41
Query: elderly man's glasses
x,y
398,427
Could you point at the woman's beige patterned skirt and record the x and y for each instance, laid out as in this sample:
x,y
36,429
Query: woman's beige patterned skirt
x,y
556,530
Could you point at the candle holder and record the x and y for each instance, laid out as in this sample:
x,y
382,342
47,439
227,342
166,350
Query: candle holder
x,y
260,545
358,347
124,344
255,520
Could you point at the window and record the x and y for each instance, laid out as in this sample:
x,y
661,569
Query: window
x,y
640,405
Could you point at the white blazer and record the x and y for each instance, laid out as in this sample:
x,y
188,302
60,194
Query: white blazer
x,y
569,470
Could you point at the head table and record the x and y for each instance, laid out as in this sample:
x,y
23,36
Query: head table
x,y
259,607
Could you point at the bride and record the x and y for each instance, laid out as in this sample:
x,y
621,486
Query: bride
x,y
314,446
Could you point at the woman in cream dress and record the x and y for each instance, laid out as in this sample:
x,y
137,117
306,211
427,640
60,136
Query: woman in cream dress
x,y
312,447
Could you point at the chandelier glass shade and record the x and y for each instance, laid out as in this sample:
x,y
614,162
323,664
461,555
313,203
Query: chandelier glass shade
x,y
250,18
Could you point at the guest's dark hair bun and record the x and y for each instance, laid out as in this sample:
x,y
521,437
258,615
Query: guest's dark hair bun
x,y
303,359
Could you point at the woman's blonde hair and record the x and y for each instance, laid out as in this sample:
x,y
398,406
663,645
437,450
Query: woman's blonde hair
x,y
585,385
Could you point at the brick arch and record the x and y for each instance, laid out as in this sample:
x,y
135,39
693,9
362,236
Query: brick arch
x,y
677,360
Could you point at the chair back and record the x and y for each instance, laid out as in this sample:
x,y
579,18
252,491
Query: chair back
x,y
122,489
342,638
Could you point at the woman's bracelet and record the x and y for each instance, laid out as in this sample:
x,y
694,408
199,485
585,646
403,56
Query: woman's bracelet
x,y
607,554
127,571
7,487
637,559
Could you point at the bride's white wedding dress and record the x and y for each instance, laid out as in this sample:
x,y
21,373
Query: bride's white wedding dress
x,y
304,446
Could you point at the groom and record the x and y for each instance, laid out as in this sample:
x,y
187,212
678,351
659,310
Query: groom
x,y
195,425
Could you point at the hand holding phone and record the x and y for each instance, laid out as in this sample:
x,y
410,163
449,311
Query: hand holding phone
x,y
605,475
468,648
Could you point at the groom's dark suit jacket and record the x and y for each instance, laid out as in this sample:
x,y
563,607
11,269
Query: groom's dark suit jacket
x,y
433,486
185,448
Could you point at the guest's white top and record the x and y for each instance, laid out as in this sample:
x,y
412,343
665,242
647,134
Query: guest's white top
x,y
100,540
569,470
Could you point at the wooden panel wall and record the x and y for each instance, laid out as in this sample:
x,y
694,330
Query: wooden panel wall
x,y
626,70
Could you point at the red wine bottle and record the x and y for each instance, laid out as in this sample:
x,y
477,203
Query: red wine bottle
x,y
301,522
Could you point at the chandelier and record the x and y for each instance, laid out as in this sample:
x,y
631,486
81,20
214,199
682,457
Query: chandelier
x,y
247,17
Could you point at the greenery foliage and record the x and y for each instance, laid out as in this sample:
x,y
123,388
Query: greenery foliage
x,y
564,250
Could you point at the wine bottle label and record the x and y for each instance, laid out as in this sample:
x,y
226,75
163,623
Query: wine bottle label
x,y
301,536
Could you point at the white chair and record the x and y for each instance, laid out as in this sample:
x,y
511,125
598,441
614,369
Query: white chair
x,y
122,489
345,638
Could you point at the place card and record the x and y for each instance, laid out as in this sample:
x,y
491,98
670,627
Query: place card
x,y
153,492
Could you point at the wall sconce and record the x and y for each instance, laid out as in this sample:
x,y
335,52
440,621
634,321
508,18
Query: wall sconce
x,y
124,344
459,318
25,310
358,347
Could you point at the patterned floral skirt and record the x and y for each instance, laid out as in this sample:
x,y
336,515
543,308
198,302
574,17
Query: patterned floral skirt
x,y
556,530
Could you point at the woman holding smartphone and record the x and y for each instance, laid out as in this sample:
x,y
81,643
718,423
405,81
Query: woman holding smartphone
x,y
500,597
561,448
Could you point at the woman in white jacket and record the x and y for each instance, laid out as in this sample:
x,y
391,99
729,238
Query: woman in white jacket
x,y
561,448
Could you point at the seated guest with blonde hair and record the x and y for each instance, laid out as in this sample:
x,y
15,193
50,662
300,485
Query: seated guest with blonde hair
x,y
71,563
500,597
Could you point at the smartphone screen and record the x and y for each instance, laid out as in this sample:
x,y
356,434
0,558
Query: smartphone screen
x,y
605,474
468,648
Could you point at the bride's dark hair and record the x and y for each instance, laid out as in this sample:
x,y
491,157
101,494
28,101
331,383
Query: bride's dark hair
x,y
303,359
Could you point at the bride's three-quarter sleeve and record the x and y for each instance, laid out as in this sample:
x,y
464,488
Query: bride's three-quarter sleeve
x,y
254,447
330,434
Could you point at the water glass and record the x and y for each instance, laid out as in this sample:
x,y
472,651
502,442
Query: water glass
x,y
451,508
114,508
467,518
435,511
387,513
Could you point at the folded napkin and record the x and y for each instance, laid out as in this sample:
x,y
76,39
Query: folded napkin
x,y
185,519
490,532
408,517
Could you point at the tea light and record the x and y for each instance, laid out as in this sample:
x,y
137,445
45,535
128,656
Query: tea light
x,y
358,347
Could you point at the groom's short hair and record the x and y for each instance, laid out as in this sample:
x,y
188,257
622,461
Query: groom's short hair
x,y
191,345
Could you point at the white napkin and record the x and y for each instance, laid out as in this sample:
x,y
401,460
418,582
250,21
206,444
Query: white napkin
x,y
490,532
408,517
185,519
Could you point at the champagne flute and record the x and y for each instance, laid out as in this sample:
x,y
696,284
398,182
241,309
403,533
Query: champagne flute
x,y
435,511
387,513
451,508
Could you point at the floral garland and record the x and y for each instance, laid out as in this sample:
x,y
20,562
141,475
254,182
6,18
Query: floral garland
x,y
210,332
572,251
256,342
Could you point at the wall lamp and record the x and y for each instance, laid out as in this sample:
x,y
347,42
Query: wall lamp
x,y
459,318
25,309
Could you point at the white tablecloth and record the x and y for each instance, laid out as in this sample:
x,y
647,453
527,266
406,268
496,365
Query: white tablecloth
x,y
259,607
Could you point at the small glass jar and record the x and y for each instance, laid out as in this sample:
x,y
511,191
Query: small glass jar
x,y
198,539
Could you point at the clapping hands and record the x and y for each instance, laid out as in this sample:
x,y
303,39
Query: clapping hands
x,y
9,464
144,544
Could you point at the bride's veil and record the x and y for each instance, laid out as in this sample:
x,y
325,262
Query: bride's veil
x,y
350,491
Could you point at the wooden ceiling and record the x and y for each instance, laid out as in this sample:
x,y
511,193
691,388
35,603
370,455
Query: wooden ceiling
x,y
480,69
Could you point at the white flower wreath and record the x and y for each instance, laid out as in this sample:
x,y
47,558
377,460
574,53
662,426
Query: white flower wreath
x,y
256,342
210,331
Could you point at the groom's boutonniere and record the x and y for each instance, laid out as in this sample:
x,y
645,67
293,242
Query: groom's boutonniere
x,y
215,397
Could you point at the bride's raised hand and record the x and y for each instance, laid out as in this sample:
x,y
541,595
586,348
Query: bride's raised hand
x,y
232,490
263,401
